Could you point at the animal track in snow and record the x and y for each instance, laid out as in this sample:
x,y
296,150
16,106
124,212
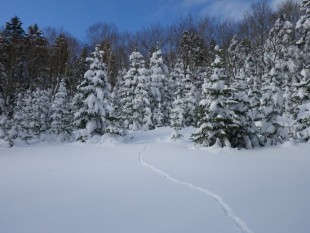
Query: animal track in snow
x,y
218,199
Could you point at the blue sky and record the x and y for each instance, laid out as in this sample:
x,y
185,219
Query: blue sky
x,y
76,16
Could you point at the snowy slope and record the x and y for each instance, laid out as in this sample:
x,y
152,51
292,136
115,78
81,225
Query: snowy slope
x,y
148,183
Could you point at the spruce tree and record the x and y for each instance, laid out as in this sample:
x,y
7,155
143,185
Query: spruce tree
x,y
91,100
216,124
280,54
246,136
115,126
177,117
22,122
143,100
3,119
127,92
301,127
232,56
189,98
160,103
254,88
14,48
273,130
175,77
3,84
41,109
303,29
37,58
238,51
61,118
181,82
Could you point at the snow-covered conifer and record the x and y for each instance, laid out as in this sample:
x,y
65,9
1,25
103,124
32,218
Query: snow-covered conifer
x,y
144,99
142,118
189,98
273,128
4,121
238,51
61,117
303,27
160,102
175,78
22,122
301,125
91,100
115,126
254,89
247,134
177,117
41,109
127,91
216,124
279,39
281,55
182,84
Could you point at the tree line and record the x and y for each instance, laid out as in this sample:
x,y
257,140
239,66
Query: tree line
x,y
241,84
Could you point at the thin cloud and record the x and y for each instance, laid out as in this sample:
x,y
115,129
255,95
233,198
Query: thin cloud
x,y
227,9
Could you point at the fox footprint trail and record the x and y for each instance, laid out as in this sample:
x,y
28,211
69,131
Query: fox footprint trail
x,y
219,200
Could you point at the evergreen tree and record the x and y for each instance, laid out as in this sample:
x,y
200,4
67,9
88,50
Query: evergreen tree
x,y
14,59
142,100
273,130
177,117
279,39
41,109
3,83
116,94
4,124
4,121
189,98
216,124
175,77
22,122
232,56
302,97
280,54
37,58
127,92
13,29
61,122
246,136
303,28
160,103
182,84
254,90
237,54
115,126
91,100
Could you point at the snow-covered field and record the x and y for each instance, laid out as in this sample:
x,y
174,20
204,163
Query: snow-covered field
x,y
147,183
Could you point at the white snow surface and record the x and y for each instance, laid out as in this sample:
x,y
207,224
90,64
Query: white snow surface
x,y
147,182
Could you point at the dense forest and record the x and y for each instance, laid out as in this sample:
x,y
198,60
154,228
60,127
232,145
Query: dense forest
x,y
242,83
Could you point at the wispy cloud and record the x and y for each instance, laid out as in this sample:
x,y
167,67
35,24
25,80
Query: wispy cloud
x,y
233,9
